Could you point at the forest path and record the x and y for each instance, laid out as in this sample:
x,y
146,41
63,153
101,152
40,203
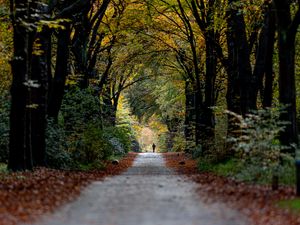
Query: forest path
x,y
147,194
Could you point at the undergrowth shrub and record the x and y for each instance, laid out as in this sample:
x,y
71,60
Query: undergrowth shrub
x,y
94,147
120,138
78,140
80,117
230,167
171,142
197,151
57,155
259,156
257,146
179,143
79,108
162,142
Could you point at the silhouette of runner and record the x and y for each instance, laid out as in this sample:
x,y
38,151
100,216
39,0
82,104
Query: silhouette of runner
x,y
153,147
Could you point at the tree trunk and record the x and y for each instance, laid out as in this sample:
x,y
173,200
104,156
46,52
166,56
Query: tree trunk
x,y
114,113
80,46
239,69
39,94
287,89
269,73
61,72
263,70
189,122
197,95
210,77
239,58
107,105
19,154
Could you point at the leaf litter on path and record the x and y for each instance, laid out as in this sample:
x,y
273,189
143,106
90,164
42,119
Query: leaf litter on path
x,y
257,202
24,196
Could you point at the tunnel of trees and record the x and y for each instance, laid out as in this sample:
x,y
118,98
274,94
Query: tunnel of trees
x,y
215,78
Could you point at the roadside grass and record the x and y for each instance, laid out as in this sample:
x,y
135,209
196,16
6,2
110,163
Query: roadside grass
x,y
115,157
227,168
3,168
291,204
91,166
99,165
4,173
233,168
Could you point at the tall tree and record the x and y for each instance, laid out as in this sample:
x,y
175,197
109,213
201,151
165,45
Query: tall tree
x,y
86,40
19,154
240,74
86,18
197,73
204,13
57,83
287,30
263,74
39,92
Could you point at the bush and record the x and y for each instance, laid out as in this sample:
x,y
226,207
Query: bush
x,y
78,140
120,138
79,108
77,150
257,145
204,165
162,142
56,154
93,146
179,143
197,152
171,142
80,119
230,167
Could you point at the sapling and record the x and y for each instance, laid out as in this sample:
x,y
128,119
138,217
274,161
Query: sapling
x,y
257,144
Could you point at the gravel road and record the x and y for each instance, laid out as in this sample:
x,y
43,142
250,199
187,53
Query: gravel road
x,y
147,194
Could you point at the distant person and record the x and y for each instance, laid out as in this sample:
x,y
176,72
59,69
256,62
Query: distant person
x,y
153,147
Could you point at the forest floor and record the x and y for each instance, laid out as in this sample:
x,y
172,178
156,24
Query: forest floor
x,y
258,202
25,196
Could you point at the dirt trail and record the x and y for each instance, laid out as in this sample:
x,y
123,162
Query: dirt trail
x,y
147,194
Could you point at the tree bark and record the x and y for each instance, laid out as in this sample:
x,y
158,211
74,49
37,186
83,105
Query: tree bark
x,y
210,77
107,105
287,30
269,73
19,154
240,80
263,69
204,15
189,121
61,72
39,97
197,86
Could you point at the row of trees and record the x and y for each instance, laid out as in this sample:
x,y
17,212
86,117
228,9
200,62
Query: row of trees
x,y
237,50
238,39
234,55
55,44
